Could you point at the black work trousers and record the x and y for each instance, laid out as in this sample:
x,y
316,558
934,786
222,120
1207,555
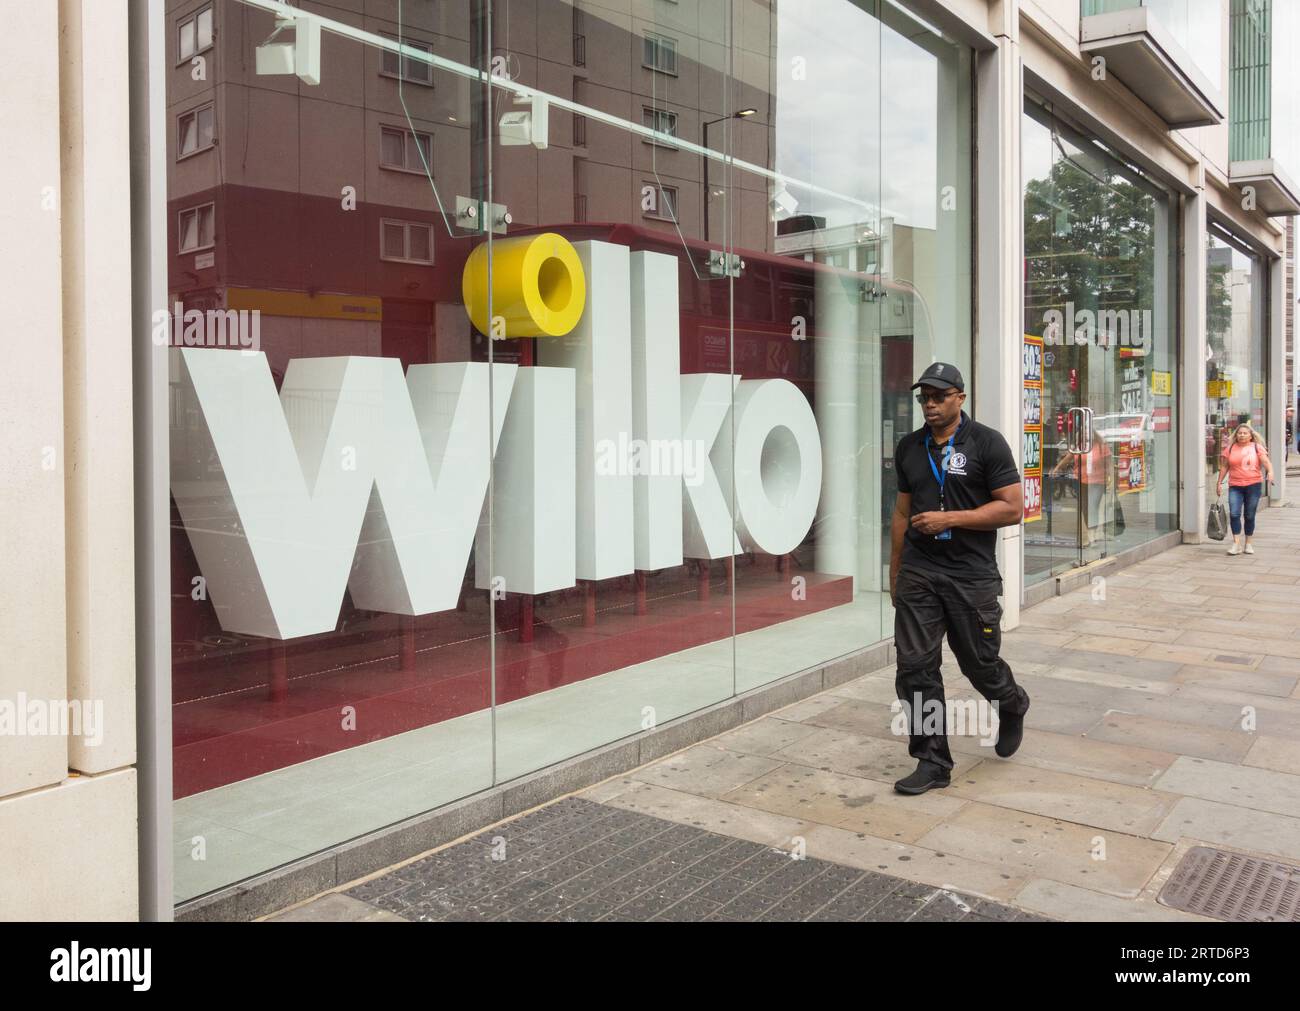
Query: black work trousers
x,y
928,605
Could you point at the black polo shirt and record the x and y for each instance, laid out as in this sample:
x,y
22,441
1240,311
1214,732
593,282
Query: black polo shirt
x,y
981,462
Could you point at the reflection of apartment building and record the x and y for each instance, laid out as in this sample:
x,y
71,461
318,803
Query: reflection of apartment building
x,y
366,168
920,177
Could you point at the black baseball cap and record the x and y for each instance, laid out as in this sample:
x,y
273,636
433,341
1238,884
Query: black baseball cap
x,y
941,375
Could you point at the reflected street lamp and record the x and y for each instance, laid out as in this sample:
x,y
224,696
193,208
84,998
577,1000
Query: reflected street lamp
x,y
704,142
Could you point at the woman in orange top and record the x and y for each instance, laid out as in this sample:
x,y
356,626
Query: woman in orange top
x,y
1093,472
1242,462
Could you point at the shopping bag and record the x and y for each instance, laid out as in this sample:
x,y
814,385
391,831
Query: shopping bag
x,y
1216,526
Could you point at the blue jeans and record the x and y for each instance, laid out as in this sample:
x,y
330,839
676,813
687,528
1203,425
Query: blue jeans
x,y
1240,496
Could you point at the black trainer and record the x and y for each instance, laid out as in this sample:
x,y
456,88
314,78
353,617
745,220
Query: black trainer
x,y
1011,730
927,776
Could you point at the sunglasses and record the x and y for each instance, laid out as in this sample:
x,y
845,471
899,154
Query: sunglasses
x,y
934,398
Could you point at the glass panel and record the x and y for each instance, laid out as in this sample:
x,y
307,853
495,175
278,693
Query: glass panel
x,y
394,241
421,154
206,221
205,29
808,326
1235,326
187,131
331,649
393,147
207,126
1100,245
1195,25
189,230
1284,93
187,39
611,532
924,312
419,242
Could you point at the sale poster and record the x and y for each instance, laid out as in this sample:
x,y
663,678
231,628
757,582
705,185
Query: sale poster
x,y
1032,434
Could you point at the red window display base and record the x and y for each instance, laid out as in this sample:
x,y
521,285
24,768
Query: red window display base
x,y
243,708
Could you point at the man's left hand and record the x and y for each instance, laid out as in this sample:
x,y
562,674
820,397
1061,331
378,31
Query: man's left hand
x,y
932,522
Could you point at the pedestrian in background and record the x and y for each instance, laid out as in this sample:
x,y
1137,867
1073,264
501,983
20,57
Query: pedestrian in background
x,y
1095,473
1242,463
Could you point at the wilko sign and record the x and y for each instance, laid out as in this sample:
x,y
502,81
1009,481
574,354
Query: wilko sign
x,y
358,477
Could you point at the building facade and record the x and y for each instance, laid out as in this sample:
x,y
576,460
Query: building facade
x,y
497,392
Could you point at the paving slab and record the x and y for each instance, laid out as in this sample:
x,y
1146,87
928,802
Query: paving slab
x,y
765,736
849,802
1048,847
705,769
1068,797
884,759
1069,902
1280,754
1138,730
1241,785
1213,822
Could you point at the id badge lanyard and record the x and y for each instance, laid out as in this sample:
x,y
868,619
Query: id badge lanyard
x,y
941,475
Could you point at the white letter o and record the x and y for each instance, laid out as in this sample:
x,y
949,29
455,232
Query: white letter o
x,y
778,465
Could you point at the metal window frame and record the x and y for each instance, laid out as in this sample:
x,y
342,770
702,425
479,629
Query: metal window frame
x,y
148,34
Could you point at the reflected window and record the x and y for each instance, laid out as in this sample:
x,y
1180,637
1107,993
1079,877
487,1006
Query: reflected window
x,y
660,120
407,150
194,34
406,241
197,228
659,201
195,130
412,69
660,53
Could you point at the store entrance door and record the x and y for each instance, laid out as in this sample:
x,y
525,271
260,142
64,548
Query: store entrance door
x,y
1080,497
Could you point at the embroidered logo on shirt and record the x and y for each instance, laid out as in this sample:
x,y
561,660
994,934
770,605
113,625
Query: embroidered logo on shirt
x,y
956,464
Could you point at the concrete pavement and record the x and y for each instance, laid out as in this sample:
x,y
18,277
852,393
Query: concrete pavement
x,y
1165,714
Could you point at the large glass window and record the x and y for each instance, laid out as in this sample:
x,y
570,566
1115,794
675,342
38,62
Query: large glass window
x,y
1236,323
1101,377
437,524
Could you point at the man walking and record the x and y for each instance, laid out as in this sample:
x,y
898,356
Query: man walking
x,y
957,484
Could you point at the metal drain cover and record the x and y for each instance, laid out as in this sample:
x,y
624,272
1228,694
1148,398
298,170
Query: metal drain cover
x,y
1233,886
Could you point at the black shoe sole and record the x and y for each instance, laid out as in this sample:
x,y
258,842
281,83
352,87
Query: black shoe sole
x,y
934,784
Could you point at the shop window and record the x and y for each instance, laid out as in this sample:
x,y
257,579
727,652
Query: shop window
x,y
194,35
661,120
659,53
406,150
406,241
196,130
197,228
413,70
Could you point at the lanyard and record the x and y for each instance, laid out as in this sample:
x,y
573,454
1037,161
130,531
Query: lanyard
x,y
940,475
